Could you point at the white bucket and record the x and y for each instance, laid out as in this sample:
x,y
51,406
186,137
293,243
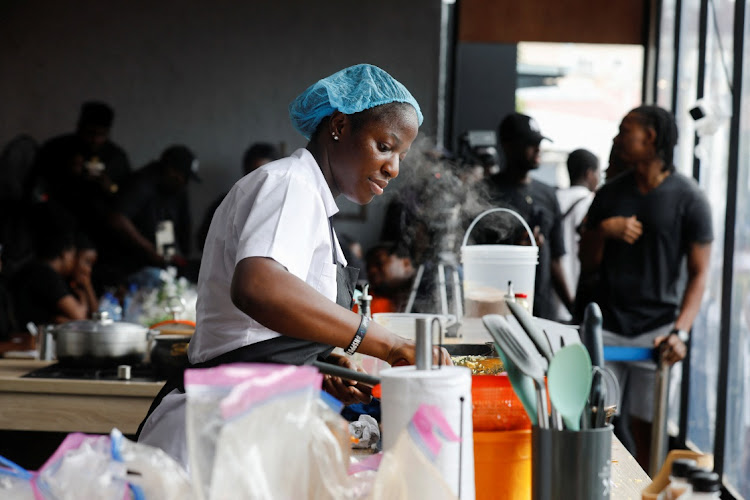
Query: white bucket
x,y
489,268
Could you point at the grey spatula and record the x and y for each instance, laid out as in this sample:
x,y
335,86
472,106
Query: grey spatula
x,y
517,354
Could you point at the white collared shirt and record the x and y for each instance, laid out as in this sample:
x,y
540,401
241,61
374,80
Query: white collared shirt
x,y
279,211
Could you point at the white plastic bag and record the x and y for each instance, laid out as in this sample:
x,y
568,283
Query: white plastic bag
x,y
15,481
151,473
407,471
268,436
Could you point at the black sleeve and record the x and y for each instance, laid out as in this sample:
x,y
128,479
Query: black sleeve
x,y
596,211
698,227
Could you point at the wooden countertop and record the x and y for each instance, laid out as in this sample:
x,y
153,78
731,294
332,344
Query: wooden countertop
x,y
97,406
63,405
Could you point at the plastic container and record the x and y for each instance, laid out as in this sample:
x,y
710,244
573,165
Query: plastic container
x,y
678,479
489,268
109,304
495,406
705,485
502,465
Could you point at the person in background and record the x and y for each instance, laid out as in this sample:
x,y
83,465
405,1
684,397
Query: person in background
x,y
391,274
354,255
274,285
257,155
583,170
536,202
80,282
101,160
617,164
648,233
41,288
151,218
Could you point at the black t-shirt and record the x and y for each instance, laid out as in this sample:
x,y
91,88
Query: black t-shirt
x,y
145,203
642,284
537,203
37,289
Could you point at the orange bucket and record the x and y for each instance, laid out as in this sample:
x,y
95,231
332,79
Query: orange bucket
x,y
495,406
502,465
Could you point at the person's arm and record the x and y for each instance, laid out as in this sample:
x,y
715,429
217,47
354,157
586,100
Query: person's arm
x,y
70,308
698,262
84,291
127,230
591,250
561,284
263,289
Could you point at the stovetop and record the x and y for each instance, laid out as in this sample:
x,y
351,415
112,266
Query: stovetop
x,y
138,373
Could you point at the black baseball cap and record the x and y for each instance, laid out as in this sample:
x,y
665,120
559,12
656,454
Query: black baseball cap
x,y
181,158
523,128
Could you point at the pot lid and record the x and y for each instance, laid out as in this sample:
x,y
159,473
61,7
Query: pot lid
x,y
104,325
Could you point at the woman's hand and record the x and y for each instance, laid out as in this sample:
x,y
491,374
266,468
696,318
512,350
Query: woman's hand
x,y
404,352
346,391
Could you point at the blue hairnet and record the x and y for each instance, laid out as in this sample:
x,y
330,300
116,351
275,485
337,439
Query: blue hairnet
x,y
351,90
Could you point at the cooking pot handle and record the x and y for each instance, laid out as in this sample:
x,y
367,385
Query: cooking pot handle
x,y
151,333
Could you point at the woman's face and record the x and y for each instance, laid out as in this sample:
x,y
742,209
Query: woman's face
x,y
365,159
635,142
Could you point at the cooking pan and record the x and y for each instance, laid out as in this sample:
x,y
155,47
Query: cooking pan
x,y
101,342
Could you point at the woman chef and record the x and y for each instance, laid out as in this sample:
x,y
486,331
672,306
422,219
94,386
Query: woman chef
x,y
272,267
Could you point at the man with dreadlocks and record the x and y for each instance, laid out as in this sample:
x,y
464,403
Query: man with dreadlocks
x,y
641,227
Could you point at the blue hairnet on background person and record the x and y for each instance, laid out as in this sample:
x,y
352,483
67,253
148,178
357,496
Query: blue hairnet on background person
x,y
273,284
349,91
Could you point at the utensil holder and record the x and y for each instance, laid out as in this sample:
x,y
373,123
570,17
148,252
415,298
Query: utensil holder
x,y
571,464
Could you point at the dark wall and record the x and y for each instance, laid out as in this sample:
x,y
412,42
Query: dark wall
x,y
485,86
213,75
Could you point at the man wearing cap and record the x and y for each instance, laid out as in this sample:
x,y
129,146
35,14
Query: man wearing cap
x,y
151,219
537,203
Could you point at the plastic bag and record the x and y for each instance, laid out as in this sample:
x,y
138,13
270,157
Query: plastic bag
x,y
151,473
407,472
252,427
15,481
82,467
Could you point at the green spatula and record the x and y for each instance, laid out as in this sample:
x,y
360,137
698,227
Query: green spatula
x,y
569,383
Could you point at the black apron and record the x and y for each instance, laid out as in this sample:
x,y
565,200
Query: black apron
x,y
282,349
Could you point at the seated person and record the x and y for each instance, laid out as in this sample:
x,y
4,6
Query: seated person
x,y
255,157
151,219
390,272
40,288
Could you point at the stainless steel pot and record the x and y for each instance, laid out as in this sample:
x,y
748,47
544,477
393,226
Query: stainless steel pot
x,y
101,342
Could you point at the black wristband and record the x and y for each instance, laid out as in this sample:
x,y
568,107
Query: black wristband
x,y
364,322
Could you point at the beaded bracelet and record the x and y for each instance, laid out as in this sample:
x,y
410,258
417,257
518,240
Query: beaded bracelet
x,y
364,322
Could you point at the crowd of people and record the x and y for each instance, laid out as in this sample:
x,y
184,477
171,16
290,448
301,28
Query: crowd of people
x,y
638,245
76,220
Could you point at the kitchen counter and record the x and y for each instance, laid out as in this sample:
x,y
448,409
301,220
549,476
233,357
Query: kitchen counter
x,y
64,405
96,406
